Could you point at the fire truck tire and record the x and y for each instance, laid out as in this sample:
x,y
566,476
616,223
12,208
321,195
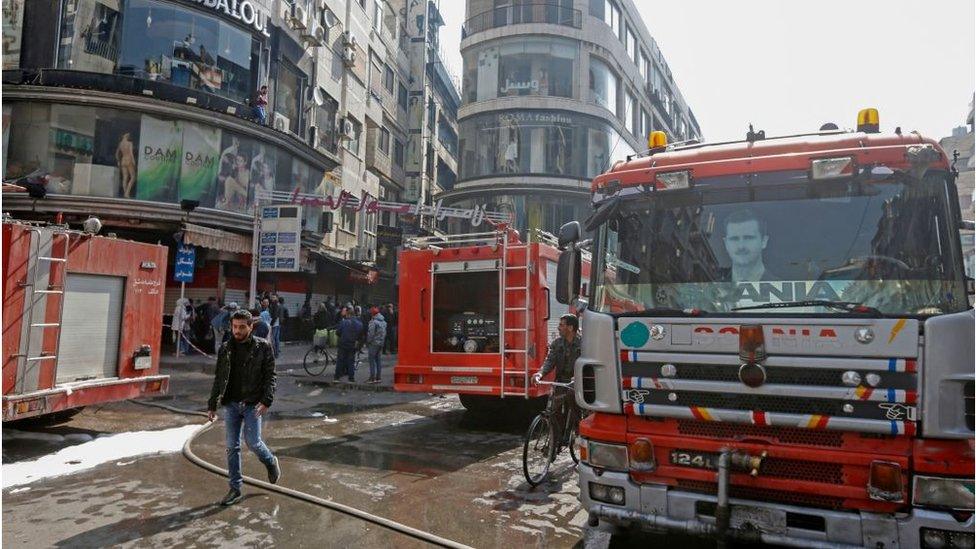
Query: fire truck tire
x,y
480,404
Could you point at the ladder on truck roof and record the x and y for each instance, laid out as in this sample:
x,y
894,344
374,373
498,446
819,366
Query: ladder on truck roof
x,y
41,271
514,351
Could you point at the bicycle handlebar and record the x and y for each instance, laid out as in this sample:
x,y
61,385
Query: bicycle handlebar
x,y
568,385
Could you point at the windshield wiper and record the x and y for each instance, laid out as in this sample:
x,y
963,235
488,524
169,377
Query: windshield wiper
x,y
846,306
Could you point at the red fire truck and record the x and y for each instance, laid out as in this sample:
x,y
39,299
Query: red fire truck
x,y
778,344
81,319
476,316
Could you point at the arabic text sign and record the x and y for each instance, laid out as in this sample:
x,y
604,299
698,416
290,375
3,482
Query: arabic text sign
x,y
186,258
281,231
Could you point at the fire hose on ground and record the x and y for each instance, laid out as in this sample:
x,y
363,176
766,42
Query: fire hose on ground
x,y
302,496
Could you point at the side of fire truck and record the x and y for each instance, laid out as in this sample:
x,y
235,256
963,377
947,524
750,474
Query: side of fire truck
x,y
476,316
81,319
778,345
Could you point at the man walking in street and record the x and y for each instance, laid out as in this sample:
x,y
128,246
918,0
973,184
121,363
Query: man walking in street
x,y
349,331
244,385
274,309
389,346
375,338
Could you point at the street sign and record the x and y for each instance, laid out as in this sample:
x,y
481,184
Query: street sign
x,y
280,240
186,259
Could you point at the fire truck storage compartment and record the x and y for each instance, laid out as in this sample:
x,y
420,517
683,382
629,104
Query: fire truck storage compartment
x,y
465,311
90,328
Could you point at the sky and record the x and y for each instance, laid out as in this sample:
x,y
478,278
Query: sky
x,y
790,66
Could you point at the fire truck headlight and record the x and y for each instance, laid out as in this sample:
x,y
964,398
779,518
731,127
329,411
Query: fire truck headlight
x,y
608,456
948,493
470,346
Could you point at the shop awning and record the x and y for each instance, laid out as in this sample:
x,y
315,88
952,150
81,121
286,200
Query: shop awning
x,y
216,239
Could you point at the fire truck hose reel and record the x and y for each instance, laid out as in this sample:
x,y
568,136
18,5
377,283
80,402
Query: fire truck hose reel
x,y
352,511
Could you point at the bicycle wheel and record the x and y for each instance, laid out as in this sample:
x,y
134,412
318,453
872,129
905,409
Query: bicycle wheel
x,y
573,433
317,359
537,452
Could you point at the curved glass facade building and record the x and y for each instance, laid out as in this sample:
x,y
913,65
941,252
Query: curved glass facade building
x,y
553,94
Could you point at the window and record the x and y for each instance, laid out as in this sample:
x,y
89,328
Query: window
x,y
520,68
606,11
402,96
646,126
157,41
603,85
288,95
13,21
384,141
398,152
630,110
388,79
347,220
642,64
631,44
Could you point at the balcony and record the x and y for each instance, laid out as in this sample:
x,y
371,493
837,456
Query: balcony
x,y
532,13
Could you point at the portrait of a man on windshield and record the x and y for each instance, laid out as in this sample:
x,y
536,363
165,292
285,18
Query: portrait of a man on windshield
x,y
745,240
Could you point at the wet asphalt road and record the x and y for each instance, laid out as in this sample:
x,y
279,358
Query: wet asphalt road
x,y
415,458
419,459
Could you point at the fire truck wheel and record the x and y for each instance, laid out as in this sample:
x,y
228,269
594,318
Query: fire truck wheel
x,y
480,404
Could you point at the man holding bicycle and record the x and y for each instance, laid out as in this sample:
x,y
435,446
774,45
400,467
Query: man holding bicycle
x,y
562,355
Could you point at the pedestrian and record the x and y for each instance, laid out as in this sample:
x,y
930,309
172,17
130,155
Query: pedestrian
x,y
261,328
260,110
284,330
349,331
323,318
375,338
274,309
244,385
180,323
389,346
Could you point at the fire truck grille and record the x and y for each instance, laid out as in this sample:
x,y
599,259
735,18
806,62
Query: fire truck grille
x,y
774,375
782,435
765,495
767,403
814,471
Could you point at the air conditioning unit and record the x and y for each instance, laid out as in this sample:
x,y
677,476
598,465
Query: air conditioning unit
x,y
345,128
281,122
314,35
349,56
348,39
298,17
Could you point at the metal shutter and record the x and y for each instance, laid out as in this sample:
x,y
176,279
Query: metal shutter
x,y
90,327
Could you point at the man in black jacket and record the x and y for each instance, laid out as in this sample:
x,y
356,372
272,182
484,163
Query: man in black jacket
x,y
244,386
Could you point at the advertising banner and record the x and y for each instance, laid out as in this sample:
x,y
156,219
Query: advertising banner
x,y
281,238
201,153
160,143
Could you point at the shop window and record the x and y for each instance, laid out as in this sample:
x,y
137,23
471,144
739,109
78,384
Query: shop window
x,y
465,312
533,67
603,85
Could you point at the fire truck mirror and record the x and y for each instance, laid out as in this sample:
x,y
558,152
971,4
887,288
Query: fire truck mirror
x,y
568,276
569,233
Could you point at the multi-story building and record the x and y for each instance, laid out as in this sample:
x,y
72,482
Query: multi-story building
x,y
141,112
961,145
553,93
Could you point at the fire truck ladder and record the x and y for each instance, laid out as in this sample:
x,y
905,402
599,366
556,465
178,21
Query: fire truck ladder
x,y
41,272
515,351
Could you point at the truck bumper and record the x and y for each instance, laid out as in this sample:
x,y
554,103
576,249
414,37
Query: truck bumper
x,y
657,508
83,393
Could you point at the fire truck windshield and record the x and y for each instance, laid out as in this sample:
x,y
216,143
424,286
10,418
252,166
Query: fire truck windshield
x,y
882,239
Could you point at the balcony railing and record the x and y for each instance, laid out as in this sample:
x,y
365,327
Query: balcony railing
x,y
553,14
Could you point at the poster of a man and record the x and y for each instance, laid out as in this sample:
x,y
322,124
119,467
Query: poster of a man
x,y
745,240
126,161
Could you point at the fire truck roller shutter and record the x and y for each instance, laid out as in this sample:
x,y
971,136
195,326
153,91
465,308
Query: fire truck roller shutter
x,y
90,328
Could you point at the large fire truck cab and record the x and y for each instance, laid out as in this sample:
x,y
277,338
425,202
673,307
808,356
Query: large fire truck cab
x,y
476,316
779,342
81,319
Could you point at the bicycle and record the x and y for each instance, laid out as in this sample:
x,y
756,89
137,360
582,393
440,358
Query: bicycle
x,y
318,358
541,444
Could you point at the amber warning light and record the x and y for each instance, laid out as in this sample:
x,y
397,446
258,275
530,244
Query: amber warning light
x,y
752,346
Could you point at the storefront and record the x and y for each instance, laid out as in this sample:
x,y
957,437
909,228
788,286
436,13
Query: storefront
x,y
533,142
109,152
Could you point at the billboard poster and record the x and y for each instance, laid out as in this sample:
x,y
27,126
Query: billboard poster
x,y
160,144
388,241
281,238
201,149
234,173
115,148
263,168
